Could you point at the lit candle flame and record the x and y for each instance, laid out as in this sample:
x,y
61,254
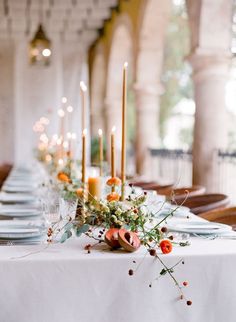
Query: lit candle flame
x,y
73,136
85,132
126,64
61,113
70,109
113,129
83,86
64,99
100,132
60,161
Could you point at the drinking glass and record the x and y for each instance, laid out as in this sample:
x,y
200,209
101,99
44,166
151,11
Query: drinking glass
x,y
67,208
50,206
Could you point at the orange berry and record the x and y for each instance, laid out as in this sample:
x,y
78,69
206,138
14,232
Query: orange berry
x,y
80,193
166,246
63,177
114,181
114,196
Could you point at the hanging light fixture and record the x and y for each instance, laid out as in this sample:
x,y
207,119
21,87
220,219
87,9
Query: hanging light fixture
x,y
40,48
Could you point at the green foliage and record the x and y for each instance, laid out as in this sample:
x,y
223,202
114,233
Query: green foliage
x,y
176,71
81,230
95,150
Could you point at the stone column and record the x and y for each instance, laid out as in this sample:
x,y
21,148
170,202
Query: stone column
x,y
210,23
147,120
210,74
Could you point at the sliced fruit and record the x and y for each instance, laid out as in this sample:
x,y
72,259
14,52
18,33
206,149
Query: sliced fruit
x,y
128,240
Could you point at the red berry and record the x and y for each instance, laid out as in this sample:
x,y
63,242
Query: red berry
x,y
163,229
185,283
152,252
189,302
131,272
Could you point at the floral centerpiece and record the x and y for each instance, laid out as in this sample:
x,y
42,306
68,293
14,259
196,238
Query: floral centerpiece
x,y
120,224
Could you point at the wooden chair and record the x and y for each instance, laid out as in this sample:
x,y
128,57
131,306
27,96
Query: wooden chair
x,y
4,171
180,193
158,188
143,184
225,216
206,202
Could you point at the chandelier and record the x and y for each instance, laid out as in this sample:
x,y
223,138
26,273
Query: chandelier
x,y
40,48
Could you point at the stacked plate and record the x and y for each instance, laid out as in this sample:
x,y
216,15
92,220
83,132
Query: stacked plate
x,y
16,198
21,232
19,208
19,211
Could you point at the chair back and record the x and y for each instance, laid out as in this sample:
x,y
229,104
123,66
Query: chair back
x,y
205,202
181,193
225,216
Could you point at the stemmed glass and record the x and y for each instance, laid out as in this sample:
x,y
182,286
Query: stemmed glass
x,y
68,208
49,199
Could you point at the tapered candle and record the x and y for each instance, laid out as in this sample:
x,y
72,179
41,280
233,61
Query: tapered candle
x,y
61,114
100,151
73,145
69,114
83,89
123,142
69,144
84,157
113,154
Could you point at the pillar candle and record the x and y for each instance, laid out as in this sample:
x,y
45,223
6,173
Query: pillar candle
x,y
123,148
94,187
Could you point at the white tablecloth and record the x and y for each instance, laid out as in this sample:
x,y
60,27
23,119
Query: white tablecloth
x,y
64,283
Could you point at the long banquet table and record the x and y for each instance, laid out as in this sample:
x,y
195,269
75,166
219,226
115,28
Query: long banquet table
x,y
64,283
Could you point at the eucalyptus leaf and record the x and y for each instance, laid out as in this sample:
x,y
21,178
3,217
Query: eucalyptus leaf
x,y
82,229
68,226
66,235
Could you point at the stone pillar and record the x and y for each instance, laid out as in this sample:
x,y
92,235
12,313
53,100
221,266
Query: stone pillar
x,y
210,58
210,74
7,119
147,120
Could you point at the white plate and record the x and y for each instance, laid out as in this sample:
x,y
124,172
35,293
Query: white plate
x,y
39,224
178,211
21,235
19,213
12,230
199,227
16,197
17,189
15,229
